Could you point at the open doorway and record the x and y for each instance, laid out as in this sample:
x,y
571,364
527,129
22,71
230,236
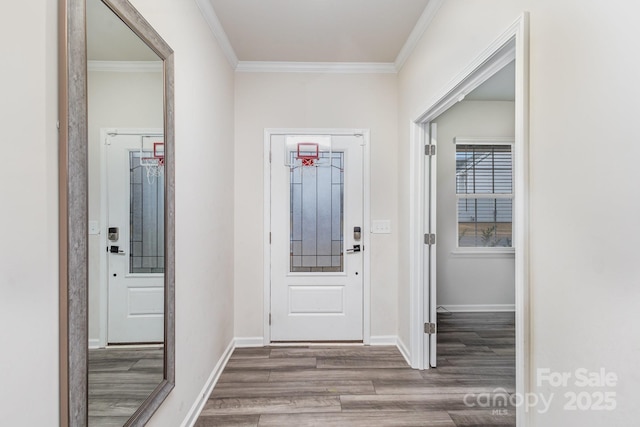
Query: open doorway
x,y
475,252
491,235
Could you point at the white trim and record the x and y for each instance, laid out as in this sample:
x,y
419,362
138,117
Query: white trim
x,y
266,237
126,66
416,228
477,308
521,216
393,340
499,54
483,253
366,236
198,405
418,31
103,313
241,342
403,350
316,67
210,16
512,44
94,343
366,291
383,340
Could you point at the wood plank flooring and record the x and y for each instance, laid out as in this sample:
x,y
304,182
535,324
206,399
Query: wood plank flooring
x,y
371,385
120,379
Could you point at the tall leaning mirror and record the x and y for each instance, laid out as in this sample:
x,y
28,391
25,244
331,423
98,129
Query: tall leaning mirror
x,y
116,215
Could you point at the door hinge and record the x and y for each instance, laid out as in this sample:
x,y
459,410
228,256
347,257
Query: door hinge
x,y
269,319
269,237
430,150
430,328
430,239
269,156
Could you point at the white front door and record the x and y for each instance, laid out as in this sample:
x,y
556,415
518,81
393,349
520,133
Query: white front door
x,y
135,242
317,235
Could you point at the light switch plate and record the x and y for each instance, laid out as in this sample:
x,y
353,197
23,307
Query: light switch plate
x,y
94,227
382,226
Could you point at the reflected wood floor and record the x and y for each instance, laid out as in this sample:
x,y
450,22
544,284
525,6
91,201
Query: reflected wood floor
x,y
372,385
120,379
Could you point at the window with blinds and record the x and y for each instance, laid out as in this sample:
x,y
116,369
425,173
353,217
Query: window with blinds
x,y
484,190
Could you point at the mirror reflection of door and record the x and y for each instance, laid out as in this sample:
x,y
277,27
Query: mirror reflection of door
x,y
126,285
135,206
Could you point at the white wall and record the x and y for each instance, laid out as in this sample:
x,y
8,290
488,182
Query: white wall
x,y
29,214
115,100
584,102
468,279
204,200
309,100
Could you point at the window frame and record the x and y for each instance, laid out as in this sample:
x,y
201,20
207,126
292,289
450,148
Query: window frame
x,y
488,251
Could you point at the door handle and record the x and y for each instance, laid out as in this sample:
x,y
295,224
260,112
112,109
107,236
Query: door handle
x,y
115,250
356,248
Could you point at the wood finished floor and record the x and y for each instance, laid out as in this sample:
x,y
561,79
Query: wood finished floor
x,y
120,379
372,385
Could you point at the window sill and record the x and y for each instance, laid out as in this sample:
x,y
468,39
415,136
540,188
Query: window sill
x,y
484,253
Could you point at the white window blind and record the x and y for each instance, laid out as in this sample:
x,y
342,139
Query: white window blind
x,y
484,190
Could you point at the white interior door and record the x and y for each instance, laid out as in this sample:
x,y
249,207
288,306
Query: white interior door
x,y
135,239
430,341
316,248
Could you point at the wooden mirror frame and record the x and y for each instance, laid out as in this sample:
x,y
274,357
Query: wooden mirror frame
x,y
73,210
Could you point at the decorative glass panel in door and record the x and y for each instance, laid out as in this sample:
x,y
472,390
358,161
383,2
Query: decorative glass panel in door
x,y
317,215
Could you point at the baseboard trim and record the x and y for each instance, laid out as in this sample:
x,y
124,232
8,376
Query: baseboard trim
x,y
198,406
403,350
460,308
383,340
249,342
392,340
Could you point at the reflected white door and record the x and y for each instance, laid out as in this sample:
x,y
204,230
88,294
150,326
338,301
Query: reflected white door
x,y
316,212
135,239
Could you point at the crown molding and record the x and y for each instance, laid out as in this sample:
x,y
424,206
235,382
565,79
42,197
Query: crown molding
x,y
126,66
218,32
316,67
421,26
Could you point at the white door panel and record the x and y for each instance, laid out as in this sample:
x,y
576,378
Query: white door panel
x,y
316,285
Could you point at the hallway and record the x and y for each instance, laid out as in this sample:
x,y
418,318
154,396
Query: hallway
x,y
372,385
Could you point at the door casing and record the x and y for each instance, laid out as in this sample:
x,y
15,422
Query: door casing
x,y
366,221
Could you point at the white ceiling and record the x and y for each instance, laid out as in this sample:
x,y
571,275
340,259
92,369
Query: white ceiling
x,y
371,31
109,39
365,32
